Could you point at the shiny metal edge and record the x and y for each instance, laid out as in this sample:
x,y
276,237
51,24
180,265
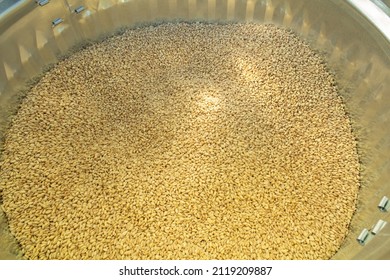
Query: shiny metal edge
x,y
374,14
15,11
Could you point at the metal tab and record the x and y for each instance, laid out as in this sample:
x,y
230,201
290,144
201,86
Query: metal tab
x,y
57,21
378,227
362,238
79,9
42,2
384,204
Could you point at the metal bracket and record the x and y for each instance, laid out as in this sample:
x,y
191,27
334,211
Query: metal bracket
x,y
79,9
384,204
362,238
56,21
42,2
378,227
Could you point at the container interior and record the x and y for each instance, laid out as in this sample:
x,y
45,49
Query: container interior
x,y
359,54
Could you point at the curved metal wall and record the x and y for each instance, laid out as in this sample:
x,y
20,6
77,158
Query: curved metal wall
x,y
359,54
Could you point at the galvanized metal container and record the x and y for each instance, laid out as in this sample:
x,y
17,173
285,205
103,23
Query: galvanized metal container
x,y
353,35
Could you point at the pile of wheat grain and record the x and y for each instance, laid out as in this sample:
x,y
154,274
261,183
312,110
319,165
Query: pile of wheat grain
x,y
183,141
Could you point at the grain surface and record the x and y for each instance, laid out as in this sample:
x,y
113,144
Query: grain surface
x,y
183,141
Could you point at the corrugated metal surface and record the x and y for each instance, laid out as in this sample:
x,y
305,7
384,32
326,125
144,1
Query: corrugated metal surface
x,y
355,49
